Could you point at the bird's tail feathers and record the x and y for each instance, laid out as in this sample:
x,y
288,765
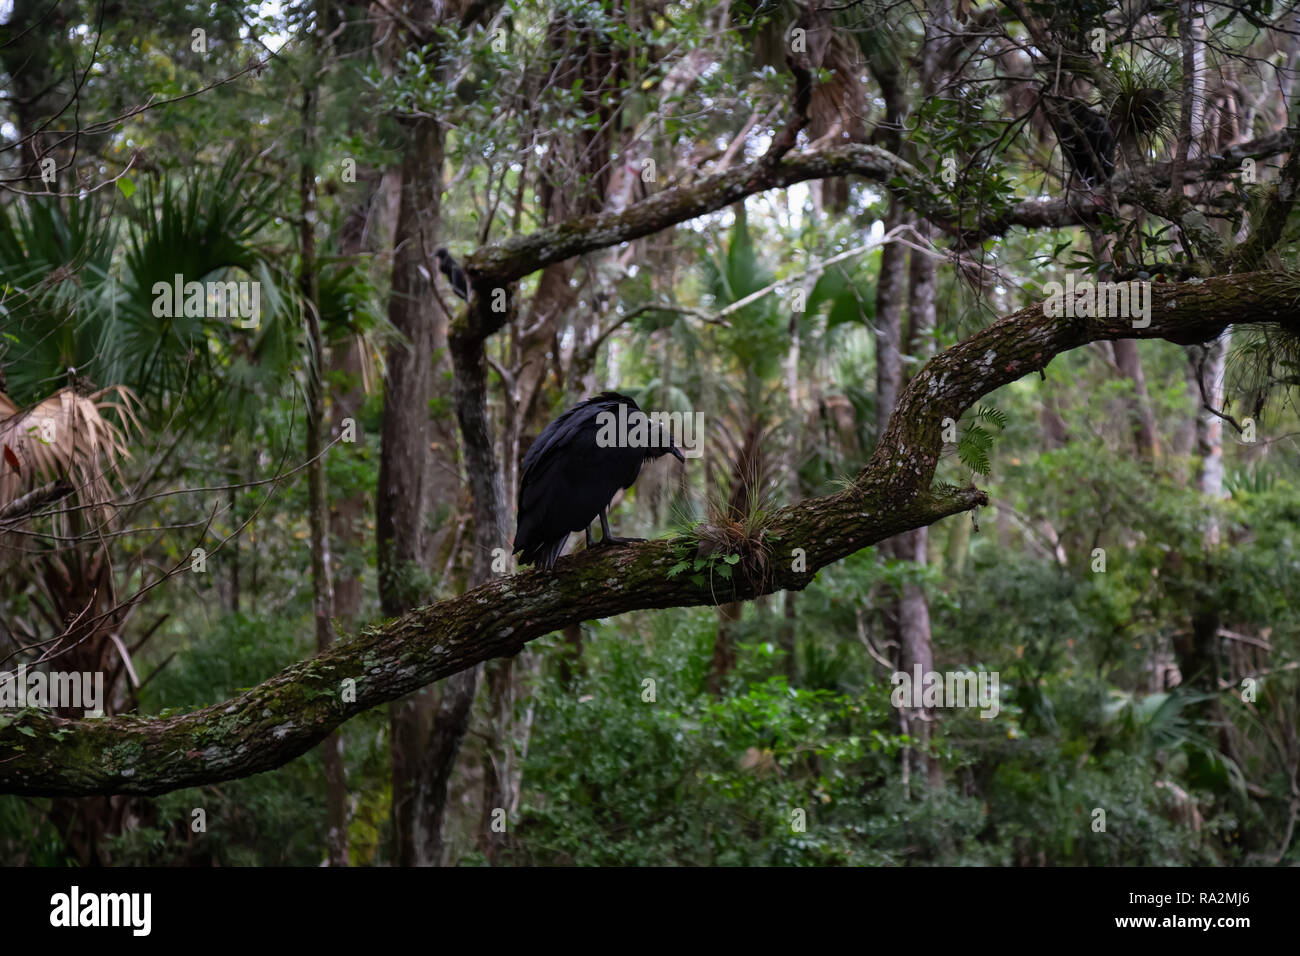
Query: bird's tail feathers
x,y
543,555
550,553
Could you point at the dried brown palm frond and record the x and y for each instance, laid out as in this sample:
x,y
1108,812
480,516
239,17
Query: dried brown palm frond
x,y
66,437
70,445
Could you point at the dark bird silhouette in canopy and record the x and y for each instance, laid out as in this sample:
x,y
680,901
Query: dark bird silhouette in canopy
x,y
569,480
456,277
1087,142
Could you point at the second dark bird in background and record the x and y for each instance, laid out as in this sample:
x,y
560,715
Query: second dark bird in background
x,y
1087,142
569,480
456,277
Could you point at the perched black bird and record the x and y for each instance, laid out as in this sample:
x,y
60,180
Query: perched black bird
x,y
1087,142
569,479
454,273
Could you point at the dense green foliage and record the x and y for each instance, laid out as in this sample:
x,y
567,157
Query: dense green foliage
x,y
1088,588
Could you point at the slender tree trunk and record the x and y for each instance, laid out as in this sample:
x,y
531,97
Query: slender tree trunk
x,y
1209,426
891,292
572,665
499,776
913,610
1128,361
356,237
1145,436
787,632
232,504
336,792
348,514
911,613
487,496
724,648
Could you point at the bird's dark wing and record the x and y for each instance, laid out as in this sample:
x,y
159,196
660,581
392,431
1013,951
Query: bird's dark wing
x,y
568,479
554,437
1087,142
562,432
454,274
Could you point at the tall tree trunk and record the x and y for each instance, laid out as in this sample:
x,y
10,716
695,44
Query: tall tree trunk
x,y
32,32
336,790
1199,650
487,494
913,612
1145,436
891,291
724,647
347,516
498,759
1209,426
1128,361
407,479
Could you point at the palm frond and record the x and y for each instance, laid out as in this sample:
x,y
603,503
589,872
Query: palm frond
x,y
66,437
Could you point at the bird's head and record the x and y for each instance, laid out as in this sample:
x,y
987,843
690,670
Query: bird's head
x,y
442,254
670,450
665,446
657,449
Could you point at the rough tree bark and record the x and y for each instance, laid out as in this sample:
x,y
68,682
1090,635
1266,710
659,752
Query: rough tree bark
x,y
405,496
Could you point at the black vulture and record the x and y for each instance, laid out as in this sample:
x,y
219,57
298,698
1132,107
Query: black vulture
x,y
454,273
1087,142
569,479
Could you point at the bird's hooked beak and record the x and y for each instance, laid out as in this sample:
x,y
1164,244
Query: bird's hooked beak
x,y
666,443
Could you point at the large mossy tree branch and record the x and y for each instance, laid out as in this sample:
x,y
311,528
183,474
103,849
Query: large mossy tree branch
x,y
286,715
497,267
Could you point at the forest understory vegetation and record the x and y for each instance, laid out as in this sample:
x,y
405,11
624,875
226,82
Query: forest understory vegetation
x,y
287,298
